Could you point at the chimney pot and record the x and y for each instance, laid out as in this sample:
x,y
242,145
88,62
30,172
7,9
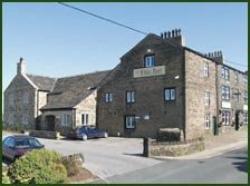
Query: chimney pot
x,y
165,35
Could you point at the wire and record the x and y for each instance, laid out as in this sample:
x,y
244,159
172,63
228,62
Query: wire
x,y
102,18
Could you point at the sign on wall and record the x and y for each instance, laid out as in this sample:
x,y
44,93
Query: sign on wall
x,y
225,104
147,72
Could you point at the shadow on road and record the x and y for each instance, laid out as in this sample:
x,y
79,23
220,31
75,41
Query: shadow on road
x,y
240,163
134,154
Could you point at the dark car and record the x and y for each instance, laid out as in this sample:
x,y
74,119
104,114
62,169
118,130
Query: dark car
x,y
17,145
86,132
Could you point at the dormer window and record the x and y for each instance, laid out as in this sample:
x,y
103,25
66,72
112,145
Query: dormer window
x,y
149,61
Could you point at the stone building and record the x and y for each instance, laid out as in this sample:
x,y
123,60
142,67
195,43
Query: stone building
x,y
38,102
161,83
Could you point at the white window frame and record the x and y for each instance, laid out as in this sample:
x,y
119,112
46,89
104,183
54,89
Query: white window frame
x,y
206,69
130,96
245,96
207,121
108,97
169,94
130,122
85,119
207,98
149,61
225,73
225,92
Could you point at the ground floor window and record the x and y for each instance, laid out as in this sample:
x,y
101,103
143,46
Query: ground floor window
x,y
226,117
207,121
85,119
245,118
130,122
66,119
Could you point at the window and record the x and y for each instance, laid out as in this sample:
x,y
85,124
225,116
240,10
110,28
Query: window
x,y
130,122
225,93
245,79
226,117
236,77
225,73
207,121
108,97
169,94
149,61
205,70
207,98
245,118
85,119
236,95
245,96
130,96
25,97
65,119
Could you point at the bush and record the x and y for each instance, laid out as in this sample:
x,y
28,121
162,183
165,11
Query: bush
x,y
73,163
39,167
5,178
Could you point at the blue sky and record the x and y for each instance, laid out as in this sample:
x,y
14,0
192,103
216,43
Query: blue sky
x,y
57,41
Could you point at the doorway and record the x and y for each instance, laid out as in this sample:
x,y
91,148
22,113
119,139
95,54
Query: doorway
x,y
50,122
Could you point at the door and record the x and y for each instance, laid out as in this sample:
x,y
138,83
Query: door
x,y
50,120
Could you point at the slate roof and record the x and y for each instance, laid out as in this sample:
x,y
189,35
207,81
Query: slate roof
x,y
69,91
43,83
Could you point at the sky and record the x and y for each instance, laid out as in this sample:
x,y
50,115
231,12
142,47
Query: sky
x,y
57,41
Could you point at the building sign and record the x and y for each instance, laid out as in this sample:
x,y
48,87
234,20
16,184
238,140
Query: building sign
x,y
245,107
147,72
226,104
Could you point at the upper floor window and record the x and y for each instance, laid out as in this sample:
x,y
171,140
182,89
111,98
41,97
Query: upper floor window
x,y
108,97
130,96
207,98
245,79
236,77
169,94
206,70
130,122
236,94
245,96
225,93
149,61
25,97
225,73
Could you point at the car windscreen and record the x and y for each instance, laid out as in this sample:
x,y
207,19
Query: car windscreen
x,y
27,142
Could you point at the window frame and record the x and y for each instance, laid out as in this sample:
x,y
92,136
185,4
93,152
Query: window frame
x,y
153,63
66,120
108,97
225,73
132,95
228,93
206,72
170,89
133,122
207,118
207,98
226,115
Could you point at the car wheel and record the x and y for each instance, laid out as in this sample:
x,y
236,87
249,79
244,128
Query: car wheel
x,y
84,137
106,135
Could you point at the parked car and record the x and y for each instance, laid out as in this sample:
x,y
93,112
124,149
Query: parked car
x,y
87,132
17,145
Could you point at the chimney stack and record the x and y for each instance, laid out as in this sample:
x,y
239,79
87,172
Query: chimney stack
x,y
21,67
174,36
216,56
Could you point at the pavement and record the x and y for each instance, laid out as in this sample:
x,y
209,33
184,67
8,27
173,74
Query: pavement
x,y
115,156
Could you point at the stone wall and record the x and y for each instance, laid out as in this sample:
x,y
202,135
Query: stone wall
x,y
149,92
87,106
19,103
196,86
156,148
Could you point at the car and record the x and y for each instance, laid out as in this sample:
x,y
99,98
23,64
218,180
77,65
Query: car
x,y
87,132
17,145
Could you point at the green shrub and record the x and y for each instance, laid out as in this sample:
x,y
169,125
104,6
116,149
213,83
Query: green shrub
x,y
39,167
5,178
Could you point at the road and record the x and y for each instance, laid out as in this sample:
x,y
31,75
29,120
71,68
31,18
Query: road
x,y
230,167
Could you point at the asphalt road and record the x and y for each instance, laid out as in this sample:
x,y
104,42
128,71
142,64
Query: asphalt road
x,y
230,167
